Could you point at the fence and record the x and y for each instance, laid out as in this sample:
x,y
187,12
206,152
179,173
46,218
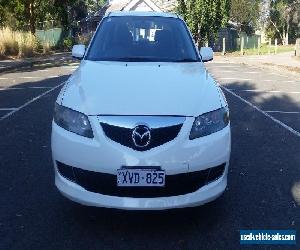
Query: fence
x,y
51,36
225,35
228,39
250,42
228,43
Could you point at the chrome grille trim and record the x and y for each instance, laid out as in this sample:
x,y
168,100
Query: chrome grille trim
x,y
120,129
151,121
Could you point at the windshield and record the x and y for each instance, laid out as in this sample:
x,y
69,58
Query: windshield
x,y
138,38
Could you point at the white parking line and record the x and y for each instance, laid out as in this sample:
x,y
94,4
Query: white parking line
x,y
7,109
38,87
224,62
247,79
263,112
227,71
281,81
282,112
235,78
30,101
290,81
8,88
18,88
29,77
70,67
265,91
233,71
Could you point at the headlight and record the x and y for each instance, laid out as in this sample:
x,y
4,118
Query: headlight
x,y
72,121
209,123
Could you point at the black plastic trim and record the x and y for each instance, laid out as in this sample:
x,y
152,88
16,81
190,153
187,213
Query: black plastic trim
x,y
106,184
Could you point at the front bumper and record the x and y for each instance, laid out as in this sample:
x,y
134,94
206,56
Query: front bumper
x,y
176,157
78,194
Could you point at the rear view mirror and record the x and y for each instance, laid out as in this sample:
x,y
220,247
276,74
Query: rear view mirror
x,y
78,51
206,53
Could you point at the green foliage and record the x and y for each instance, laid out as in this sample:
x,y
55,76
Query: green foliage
x,y
284,22
264,50
245,13
94,5
204,17
30,14
68,43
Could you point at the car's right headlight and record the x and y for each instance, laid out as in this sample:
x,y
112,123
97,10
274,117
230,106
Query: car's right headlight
x,y
72,121
209,123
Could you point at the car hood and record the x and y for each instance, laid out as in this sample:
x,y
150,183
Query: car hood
x,y
135,88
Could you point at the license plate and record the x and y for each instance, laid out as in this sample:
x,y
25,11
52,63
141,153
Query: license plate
x,y
140,178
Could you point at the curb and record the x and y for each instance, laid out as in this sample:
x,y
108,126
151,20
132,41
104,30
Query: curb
x,y
17,66
28,64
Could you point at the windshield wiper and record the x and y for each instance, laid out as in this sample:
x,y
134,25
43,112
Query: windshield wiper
x,y
186,60
123,59
142,59
133,59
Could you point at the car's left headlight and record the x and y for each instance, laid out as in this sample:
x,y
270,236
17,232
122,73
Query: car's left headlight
x,y
209,123
72,121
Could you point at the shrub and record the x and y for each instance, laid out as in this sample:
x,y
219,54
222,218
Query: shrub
x,y
8,42
17,43
27,45
68,43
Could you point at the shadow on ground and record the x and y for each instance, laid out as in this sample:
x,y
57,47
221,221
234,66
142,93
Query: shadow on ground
x,y
264,169
42,65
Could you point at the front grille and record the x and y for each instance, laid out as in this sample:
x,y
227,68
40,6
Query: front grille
x,y
123,135
179,184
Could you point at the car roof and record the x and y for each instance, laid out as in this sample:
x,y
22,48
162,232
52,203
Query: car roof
x,y
142,13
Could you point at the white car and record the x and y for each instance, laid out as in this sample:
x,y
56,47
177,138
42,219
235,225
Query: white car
x,y
141,124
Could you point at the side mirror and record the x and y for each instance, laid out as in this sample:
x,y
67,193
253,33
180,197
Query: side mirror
x,y
207,54
78,51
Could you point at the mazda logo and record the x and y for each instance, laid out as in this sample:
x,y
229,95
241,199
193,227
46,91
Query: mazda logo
x,y
141,136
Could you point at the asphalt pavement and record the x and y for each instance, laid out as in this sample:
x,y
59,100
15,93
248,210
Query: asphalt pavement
x,y
13,64
264,178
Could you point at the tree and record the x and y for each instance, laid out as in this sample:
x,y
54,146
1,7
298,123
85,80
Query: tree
x,y
245,13
284,19
94,5
182,9
27,14
204,17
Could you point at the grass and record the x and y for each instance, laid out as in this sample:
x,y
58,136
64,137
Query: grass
x,y
264,50
17,43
